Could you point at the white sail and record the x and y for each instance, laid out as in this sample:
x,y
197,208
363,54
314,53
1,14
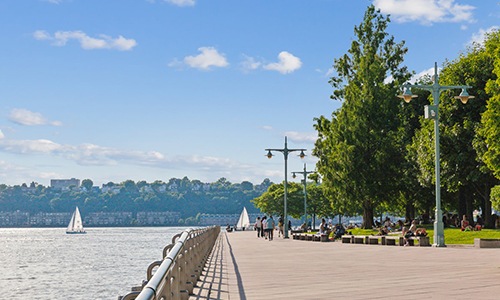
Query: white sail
x,y
244,220
75,224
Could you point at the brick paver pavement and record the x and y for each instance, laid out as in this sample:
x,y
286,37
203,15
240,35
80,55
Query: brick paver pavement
x,y
255,268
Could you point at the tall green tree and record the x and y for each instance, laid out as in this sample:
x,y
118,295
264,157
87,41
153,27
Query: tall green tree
x,y
358,155
466,182
489,131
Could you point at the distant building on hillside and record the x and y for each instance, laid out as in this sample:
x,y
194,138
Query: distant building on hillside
x,y
15,218
64,184
148,218
108,219
50,219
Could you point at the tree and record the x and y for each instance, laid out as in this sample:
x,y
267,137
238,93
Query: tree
x,y
489,131
317,203
87,184
272,201
464,175
466,182
357,150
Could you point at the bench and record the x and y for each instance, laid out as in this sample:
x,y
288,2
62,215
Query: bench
x,y
347,239
360,239
486,243
324,238
391,240
311,237
422,241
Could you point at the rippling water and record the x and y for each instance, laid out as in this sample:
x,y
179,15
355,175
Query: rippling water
x,y
47,263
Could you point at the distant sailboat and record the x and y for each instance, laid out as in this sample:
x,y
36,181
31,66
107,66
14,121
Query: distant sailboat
x,y
244,221
75,224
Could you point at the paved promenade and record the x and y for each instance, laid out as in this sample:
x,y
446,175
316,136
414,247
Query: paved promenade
x,y
245,267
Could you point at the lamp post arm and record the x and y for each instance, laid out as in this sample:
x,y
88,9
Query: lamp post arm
x,y
439,88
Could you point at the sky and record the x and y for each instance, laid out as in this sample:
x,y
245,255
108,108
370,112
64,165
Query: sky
x,y
151,90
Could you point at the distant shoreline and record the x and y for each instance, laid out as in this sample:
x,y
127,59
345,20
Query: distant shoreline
x,y
103,226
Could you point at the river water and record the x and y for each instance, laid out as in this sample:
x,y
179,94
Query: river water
x,y
47,263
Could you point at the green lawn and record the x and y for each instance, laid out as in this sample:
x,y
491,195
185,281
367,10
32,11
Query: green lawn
x,y
451,235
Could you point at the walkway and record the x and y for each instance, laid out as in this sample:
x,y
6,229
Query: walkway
x,y
245,267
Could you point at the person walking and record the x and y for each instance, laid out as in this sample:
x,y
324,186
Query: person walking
x,y
258,226
270,228
280,227
263,231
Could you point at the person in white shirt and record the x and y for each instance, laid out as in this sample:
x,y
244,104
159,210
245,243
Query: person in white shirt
x,y
258,226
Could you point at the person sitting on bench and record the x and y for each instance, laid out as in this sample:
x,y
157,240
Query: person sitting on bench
x,y
323,228
465,225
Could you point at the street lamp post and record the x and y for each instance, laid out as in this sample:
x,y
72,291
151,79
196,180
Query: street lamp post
x,y
285,152
305,173
431,112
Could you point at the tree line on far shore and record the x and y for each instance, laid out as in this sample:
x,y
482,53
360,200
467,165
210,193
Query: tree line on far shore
x,y
189,197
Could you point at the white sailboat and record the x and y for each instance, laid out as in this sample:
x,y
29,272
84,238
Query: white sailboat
x,y
75,224
244,221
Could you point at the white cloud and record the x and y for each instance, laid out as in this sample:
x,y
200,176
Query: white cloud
x,y
40,146
28,118
287,63
480,36
209,57
250,63
1,134
301,136
95,155
182,2
61,38
426,11
429,72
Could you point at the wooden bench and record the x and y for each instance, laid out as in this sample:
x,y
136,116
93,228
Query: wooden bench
x,y
391,240
324,238
311,237
347,239
357,239
423,241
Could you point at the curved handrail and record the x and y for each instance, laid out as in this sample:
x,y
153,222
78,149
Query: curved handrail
x,y
182,261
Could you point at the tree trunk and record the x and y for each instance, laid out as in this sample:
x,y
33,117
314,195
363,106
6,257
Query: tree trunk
x,y
489,220
409,211
462,206
469,204
367,217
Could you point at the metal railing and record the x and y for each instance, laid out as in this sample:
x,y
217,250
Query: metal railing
x,y
183,260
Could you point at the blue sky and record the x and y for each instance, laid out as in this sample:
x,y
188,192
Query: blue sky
x,y
155,89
